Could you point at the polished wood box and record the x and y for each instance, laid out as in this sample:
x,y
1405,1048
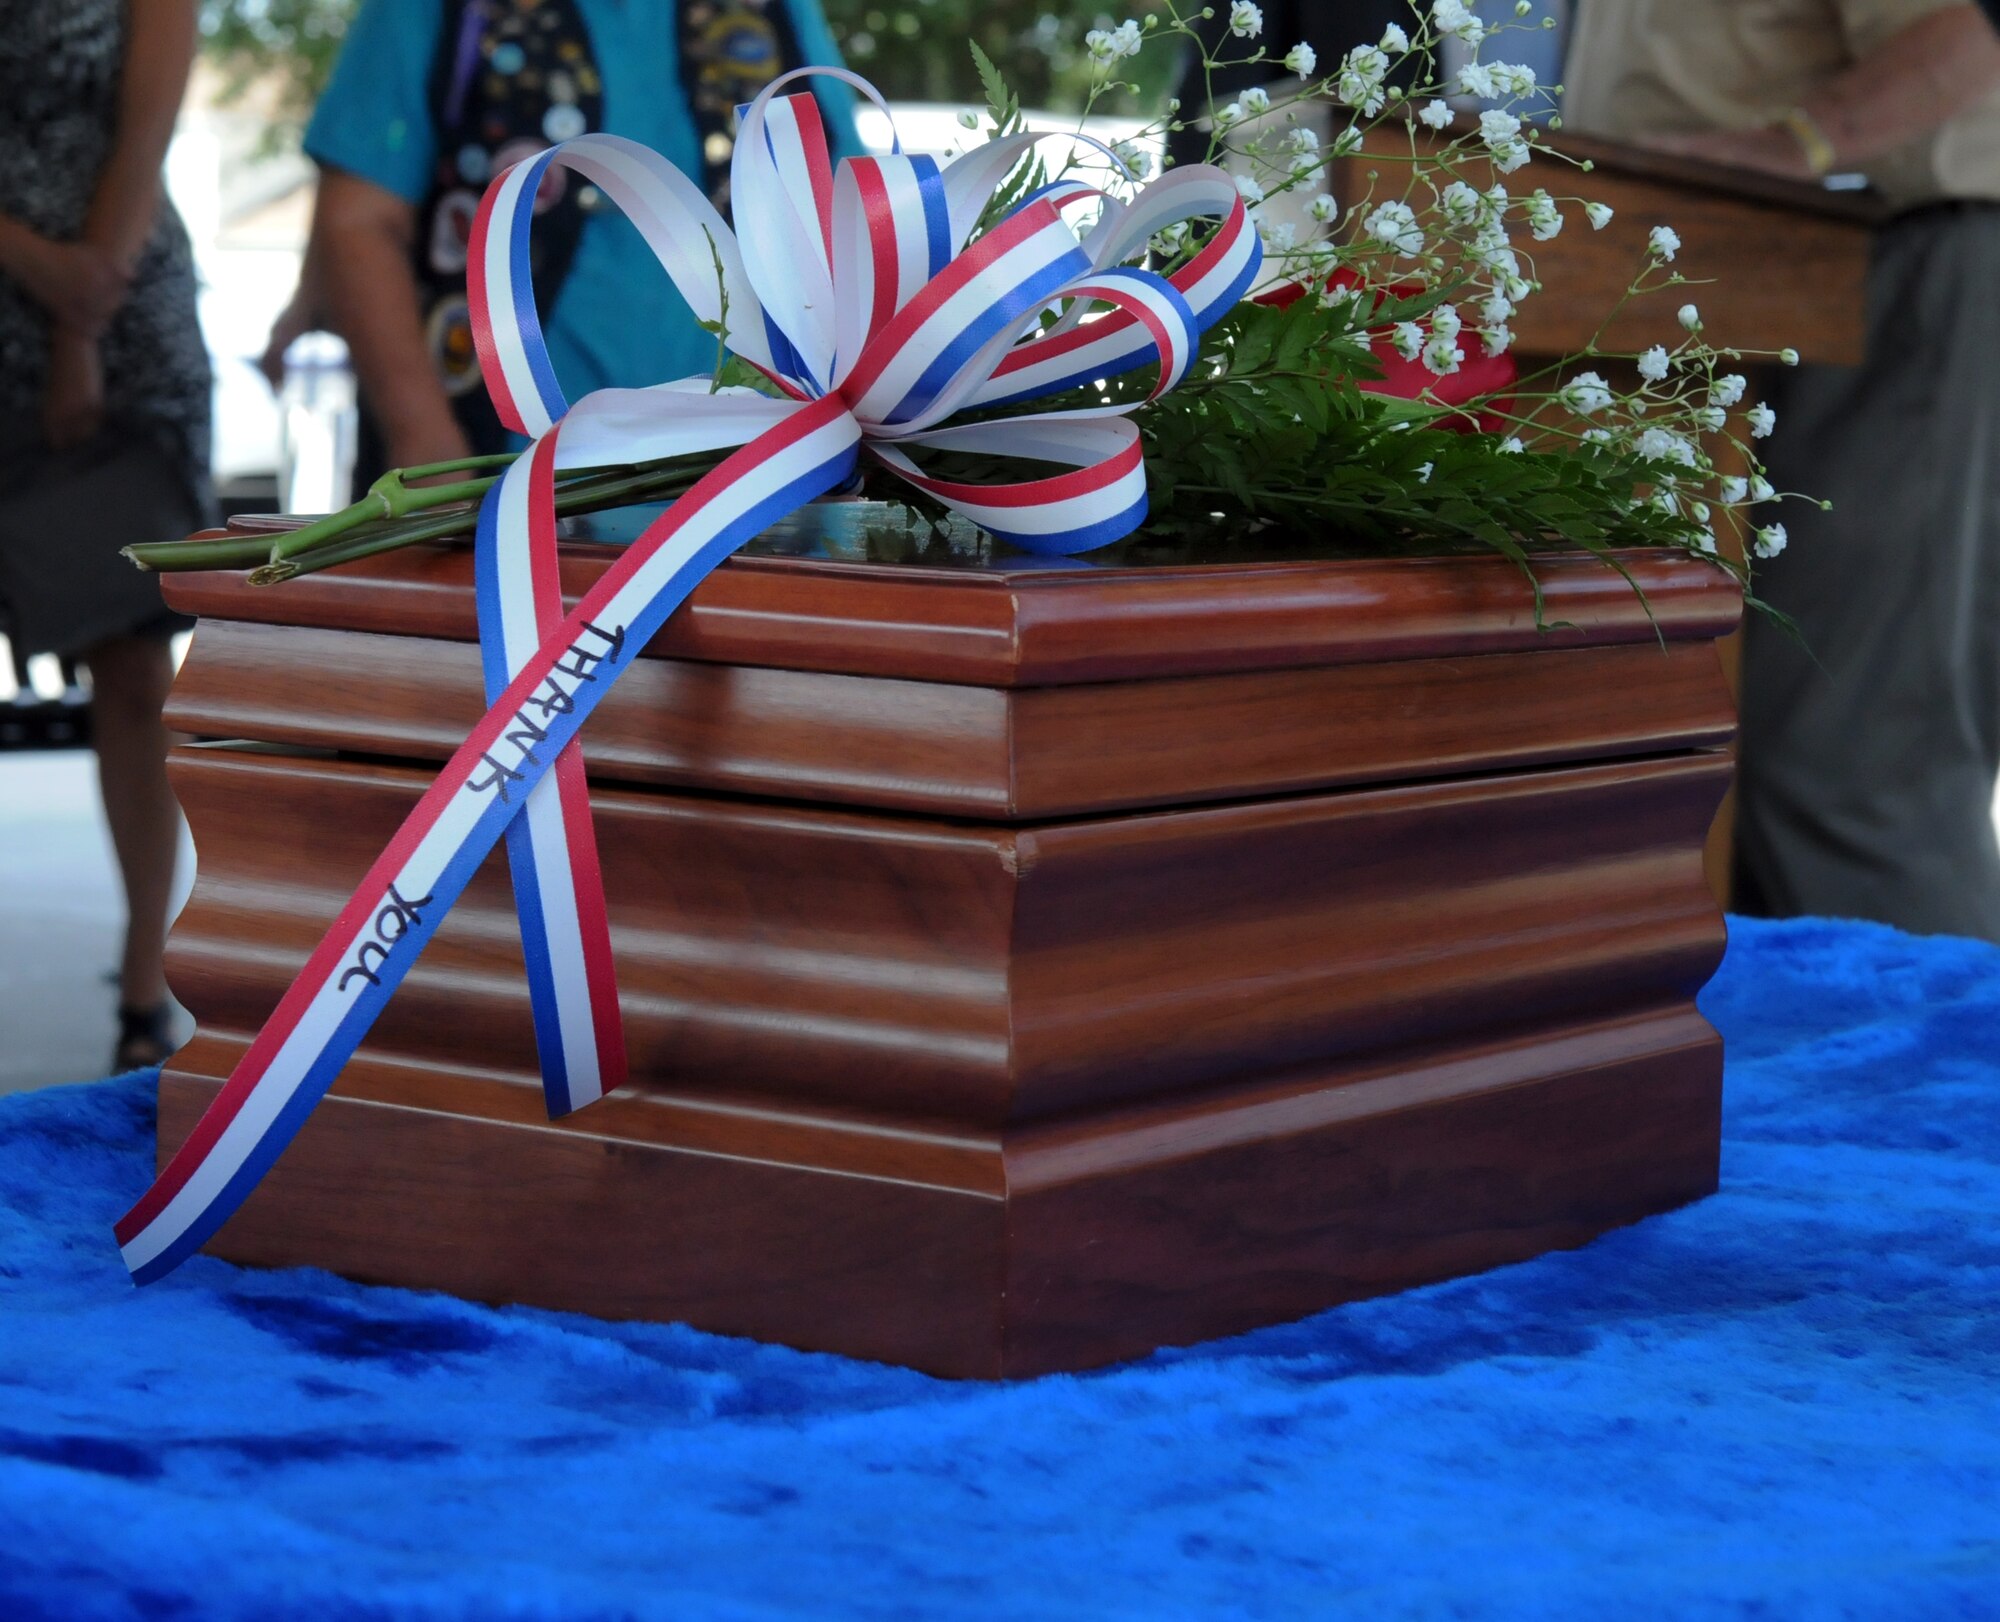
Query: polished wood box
x,y
1024,967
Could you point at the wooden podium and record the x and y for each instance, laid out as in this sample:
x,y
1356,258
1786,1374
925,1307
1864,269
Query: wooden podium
x,y
1023,966
1779,263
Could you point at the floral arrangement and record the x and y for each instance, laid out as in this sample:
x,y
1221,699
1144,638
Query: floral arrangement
x,y
1366,396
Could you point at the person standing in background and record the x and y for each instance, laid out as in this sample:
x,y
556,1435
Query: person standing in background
x,y
431,99
104,410
1870,752
1331,27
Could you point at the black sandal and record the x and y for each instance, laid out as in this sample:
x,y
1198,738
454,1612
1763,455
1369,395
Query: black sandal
x,y
144,1039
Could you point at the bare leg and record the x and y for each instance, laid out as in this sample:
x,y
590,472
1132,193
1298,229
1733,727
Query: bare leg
x,y
129,681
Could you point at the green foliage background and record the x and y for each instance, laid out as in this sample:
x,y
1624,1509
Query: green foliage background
x,y
914,50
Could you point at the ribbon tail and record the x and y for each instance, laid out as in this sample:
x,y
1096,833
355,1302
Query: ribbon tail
x,y
379,934
552,845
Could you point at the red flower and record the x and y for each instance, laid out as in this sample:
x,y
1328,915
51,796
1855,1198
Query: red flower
x,y
1479,376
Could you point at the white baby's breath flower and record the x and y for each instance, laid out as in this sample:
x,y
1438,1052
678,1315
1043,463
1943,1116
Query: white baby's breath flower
x,y
1346,141
1770,541
1323,208
1727,390
1107,46
1395,40
1597,436
1654,363
1407,339
1512,446
1452,17
1689,317
1359,82
1301,138
1710,419
1476,79
969,119
1599,215
1762,421
1137,161
1396,225
1435,113
1513,79
1544,218
1249,190
1760,488
1586,394
1664,445
1442,355
1245,20
1492,254
1227,116
1280,236
1304,165
1301,59
1446,321
1459,202
1502,134
1495,308
1788,357
1734,490
1255,100
1498,340
1664,241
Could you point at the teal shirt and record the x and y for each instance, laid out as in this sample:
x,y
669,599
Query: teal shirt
x,y
618,322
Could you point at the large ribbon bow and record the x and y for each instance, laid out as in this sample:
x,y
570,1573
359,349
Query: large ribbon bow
x,y
853,288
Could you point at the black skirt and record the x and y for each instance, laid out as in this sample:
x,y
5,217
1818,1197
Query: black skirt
x,y
63,518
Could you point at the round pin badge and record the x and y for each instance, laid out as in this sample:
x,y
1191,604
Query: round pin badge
x,y
448,333
451,231
564,121
508,58
475,164
555,181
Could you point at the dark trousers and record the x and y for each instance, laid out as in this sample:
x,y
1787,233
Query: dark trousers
x,y
1870,753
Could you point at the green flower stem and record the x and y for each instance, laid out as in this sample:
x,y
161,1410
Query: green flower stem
x,y
595,491
365,531
391,497
218,552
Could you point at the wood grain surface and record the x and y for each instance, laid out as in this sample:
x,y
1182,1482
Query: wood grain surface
x,y
1081,1245
1778,264
951,972
1021,969
1021,625
1003,754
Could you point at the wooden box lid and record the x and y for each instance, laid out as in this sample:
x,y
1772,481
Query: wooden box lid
x,y
1128,613
1011,688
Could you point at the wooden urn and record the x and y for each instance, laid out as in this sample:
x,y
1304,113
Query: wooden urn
x,y
1023,967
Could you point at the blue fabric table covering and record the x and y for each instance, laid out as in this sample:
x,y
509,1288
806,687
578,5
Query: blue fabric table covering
x,y
1782,1402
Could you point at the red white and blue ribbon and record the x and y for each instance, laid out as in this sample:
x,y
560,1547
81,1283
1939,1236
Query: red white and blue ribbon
x,y
864,295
